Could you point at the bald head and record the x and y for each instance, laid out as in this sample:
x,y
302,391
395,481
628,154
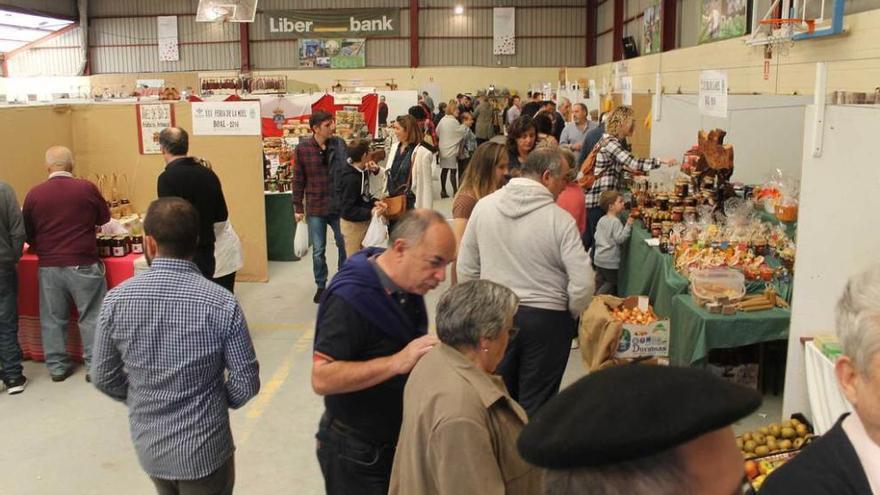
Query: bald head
x,y
174,142
59,159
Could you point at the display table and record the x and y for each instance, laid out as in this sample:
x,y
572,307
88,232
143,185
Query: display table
x,y
29,335
694,331
280,226
827,402
645,271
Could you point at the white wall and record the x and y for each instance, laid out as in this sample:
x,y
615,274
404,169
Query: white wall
x,y
765,131
836,237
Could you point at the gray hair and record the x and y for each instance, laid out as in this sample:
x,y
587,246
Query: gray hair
x,y
543,159
473,310
858,318
59,156
660,474
414,224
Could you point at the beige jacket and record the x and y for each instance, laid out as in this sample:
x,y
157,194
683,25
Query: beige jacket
x,y
459,433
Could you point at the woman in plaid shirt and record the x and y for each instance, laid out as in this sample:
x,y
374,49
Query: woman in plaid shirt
x,y
611,161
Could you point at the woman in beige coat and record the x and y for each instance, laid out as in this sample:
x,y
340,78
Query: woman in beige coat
x,y
460,426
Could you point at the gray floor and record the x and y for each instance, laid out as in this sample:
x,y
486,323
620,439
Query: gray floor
x,y
66,438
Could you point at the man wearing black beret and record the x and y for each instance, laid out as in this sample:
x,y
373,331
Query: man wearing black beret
x,y
641,430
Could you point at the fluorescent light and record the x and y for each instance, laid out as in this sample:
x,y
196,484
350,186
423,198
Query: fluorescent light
x,y
458,10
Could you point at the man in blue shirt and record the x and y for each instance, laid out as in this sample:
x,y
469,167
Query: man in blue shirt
x,y
175,347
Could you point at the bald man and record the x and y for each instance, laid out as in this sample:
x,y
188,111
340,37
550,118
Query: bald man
x,y
60,216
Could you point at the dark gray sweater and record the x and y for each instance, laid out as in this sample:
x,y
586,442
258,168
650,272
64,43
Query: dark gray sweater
x,y
11,226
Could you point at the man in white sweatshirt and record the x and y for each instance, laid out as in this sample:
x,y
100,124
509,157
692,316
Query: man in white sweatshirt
x,y
518,237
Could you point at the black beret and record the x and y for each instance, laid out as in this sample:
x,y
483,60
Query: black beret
x,y
629,412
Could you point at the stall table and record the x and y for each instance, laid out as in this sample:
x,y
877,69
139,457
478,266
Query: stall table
x,y
645,271
280,226
694,331
29,335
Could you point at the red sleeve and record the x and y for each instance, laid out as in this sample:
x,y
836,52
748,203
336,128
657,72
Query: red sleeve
x,y
102,212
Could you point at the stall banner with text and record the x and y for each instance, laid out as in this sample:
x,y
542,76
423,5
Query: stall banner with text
x,y
226,118
335,23
333,53
713,93
151,120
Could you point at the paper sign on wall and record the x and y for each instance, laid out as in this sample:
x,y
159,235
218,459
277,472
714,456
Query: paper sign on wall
x,y
226,118
626,87
713,93
151,120
166,30
504,31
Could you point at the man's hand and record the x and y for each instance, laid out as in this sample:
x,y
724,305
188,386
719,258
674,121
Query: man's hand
x,y
670,162
372,167
576,146
405,360
380,208
299,217
629,221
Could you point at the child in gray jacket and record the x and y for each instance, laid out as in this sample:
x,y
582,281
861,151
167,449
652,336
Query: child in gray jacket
x,y
610,234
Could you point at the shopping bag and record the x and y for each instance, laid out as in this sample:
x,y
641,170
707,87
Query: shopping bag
x,y
301,239
377,233
228,253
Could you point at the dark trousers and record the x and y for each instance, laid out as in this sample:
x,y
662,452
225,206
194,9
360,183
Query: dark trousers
x,y
351,465
535,360
10,352
227,282
204,259
462,166
220,482
606,281
451,173
594,214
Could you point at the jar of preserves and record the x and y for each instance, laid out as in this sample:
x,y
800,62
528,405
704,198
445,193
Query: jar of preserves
x,y
678,214
667,227
105,250
137,244
664,244
656,230
681,187
663,202
690,201
118,246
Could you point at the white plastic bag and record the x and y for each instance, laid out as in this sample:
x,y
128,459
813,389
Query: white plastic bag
x,y
301,239
228,253
377,233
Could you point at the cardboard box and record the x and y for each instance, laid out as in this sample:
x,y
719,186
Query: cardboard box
x,y
644,340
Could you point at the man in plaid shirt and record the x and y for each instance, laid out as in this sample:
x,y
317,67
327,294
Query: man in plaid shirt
x,y
175,347
611,162
319,160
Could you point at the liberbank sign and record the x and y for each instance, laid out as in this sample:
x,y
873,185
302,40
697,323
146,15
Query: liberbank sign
x,y
336,23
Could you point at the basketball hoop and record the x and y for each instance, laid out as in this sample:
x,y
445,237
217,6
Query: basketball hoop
x,y
795,24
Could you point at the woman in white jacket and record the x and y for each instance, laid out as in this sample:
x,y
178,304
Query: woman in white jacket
x,y
409,165
450,133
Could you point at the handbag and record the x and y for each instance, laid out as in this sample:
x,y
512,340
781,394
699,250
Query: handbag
x,y
396,203
588,176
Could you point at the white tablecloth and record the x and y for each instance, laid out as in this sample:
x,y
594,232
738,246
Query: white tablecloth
x,y
826,400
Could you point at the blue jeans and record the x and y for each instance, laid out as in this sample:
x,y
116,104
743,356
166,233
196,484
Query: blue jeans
x,y
10,352
85,286
318,239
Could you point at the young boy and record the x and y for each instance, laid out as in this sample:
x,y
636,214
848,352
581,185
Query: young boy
x,y
610,234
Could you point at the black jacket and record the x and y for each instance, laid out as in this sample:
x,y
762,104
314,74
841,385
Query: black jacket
x,y
353,191
188,179
828,466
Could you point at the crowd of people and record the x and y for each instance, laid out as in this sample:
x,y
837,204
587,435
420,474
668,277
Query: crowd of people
x,y
475,409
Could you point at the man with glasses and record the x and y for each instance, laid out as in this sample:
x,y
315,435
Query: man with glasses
x,y
371,330
641,430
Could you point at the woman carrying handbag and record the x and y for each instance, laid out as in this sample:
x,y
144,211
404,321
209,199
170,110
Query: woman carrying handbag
x,y
410,182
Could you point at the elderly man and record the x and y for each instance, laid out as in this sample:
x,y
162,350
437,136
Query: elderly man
x,y
175,348
60,216
519,238
485,120
575,131
11,244
641,430
846,459
185,177
371,330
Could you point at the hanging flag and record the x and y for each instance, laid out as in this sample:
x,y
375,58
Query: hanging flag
x,y
166,28
504,31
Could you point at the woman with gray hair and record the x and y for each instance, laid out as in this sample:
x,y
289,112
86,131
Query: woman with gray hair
x,y
460,426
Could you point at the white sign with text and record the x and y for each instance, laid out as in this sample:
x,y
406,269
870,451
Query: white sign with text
x,y
626,87
226,118
713,93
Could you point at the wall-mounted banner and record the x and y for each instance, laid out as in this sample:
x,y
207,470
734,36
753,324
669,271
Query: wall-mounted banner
x,y
151,120
720,20
504,31
333,53
626,87
226,118
336,23
651,30
166,31
713,93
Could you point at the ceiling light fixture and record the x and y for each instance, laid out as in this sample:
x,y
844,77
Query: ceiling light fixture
x,y
458,10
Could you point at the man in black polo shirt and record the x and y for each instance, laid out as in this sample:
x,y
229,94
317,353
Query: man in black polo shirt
x,y
185,177
371,330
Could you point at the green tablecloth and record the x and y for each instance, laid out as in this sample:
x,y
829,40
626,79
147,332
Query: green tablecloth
x,y
645,271
280,226
694,331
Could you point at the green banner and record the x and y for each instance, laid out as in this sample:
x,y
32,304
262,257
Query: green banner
x,y
336,23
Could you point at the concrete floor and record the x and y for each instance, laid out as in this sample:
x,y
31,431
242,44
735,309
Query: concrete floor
x,y
66,438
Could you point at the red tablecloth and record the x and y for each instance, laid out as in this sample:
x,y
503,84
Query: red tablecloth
x,y
118,271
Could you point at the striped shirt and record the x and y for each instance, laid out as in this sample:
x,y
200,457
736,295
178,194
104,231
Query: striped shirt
x,y
164,341
610,161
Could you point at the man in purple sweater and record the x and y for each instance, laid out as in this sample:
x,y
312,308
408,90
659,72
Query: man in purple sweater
x,y
60,216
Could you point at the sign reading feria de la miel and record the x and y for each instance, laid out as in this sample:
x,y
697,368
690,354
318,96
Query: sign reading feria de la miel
x,y
337,23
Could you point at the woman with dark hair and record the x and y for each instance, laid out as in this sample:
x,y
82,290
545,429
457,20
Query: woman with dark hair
x,y
441,112
356,204
410,164
544,129
521,140
420,113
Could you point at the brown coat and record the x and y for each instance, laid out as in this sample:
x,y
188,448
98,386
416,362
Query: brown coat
x,y
459,433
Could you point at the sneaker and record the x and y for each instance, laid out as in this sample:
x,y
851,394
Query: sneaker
x,y
88,378
63,376
16,385
317,297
